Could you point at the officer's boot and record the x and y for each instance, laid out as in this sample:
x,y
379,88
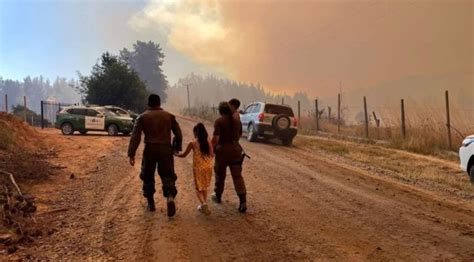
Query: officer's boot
x,y
216,198
171,206
151,204
243,203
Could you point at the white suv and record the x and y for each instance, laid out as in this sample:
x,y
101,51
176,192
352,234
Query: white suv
x,y
269,121
466,154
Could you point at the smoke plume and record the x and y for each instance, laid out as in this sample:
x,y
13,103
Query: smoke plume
x,y
313,46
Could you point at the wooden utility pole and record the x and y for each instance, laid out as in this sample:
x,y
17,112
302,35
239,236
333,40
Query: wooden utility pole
x,y
299,113
404,132
189,103
24,108
366,119
317,114
448,120
42,114
6,103
339,113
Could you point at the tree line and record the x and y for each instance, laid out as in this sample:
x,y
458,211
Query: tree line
x,y
124,80
37,89
210,90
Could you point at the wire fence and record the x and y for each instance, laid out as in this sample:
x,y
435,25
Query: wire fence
x,y
409,124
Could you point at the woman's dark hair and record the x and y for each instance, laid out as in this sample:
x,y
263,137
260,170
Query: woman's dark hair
x,y
234,102
224,109
202,136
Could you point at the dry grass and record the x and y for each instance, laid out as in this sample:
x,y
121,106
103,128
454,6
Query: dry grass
x,y
426,130
430,172
20,147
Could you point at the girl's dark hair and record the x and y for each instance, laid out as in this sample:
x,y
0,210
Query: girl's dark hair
x,y
202,136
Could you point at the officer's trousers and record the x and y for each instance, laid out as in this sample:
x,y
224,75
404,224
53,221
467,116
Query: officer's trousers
x,y
158,157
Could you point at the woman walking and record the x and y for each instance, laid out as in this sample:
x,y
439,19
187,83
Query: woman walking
x,y
229,153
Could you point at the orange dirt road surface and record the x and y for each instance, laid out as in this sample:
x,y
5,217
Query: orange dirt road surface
x,y
302,206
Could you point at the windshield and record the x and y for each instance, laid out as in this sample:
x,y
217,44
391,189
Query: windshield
x,y
278,110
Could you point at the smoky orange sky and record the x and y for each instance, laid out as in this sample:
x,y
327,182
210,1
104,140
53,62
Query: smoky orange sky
x,y
312,46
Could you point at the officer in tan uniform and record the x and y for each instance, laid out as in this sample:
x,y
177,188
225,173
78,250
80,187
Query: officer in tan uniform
x,y
157,125
229,153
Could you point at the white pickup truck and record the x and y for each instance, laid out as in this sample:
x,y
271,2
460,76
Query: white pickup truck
x,y
466,155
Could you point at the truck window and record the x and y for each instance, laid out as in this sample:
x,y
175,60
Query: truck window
x,y
256,109
278,110
92,112
249,109
78,111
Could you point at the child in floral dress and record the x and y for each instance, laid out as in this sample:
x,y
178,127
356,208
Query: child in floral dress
x,y
203,160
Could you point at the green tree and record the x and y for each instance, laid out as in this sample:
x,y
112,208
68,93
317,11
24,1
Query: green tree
x,y
112,82
147,59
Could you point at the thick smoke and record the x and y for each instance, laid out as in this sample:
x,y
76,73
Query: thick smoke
x,y
314,45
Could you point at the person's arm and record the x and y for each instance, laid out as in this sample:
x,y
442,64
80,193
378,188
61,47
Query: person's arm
x,y
135,140
178,135
186,152
211,149
240,127
216,134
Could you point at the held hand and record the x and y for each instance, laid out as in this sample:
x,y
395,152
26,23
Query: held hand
x,y
132,160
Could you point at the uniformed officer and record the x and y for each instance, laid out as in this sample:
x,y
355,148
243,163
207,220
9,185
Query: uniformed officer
x,y
157,125
234,104
229,153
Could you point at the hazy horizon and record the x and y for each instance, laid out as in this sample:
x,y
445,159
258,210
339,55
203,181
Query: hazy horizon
x,y
316,47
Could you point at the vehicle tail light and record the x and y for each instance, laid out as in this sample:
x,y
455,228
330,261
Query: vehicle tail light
x,y
295,122
261,116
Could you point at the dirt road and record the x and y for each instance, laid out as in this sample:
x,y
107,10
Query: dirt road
x,y
302,206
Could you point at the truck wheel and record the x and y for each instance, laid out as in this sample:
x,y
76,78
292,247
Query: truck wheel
x,y
252,135
112,130
67,129
287,142
471,174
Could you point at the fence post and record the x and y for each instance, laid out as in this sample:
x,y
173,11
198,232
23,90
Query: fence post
x,y
42,114
377,123
189,103
329,112
299,113
402,105
366,119
448,120
24,108
6,103
317,114
338,113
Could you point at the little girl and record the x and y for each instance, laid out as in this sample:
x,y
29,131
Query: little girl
x,y
202,164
